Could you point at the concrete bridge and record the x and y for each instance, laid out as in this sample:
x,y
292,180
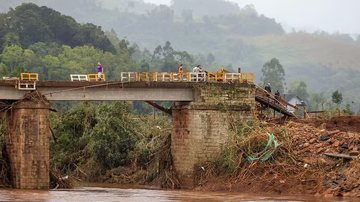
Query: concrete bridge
x,y
202,117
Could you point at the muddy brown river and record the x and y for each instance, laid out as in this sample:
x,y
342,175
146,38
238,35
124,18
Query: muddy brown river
x,y
88,194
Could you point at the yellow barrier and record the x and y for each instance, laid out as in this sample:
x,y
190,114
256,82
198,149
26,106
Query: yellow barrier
x,y
185,77
142,76
94,77
249,77
29,76
215,76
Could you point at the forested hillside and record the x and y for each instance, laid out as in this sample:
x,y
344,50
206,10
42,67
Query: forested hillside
x,y
40,39
218,33
29,23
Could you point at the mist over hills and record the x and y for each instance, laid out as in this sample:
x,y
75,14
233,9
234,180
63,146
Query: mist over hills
x,y
237,37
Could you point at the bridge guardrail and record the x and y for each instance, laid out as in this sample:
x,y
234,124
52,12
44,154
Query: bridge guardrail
x,y
188,77
79,77
128,76
29,76
94,77
248,77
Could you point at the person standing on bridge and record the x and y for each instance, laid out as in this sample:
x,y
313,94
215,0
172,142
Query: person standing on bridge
x,y
100,70
181,71
268,87
277,94
196,68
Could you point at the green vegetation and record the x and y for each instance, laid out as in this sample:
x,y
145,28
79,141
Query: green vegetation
x,y
318,100
347,110
166,59
90,140
337,98
29,23
205,33
274,73
56,62
248,139
299,88
65,47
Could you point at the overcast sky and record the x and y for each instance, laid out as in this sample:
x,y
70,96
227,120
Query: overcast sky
x,y
310,15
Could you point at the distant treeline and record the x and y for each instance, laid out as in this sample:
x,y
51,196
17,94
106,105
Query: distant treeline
x,y
29,23
40,39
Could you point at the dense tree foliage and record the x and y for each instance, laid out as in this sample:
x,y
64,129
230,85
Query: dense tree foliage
x,y
299,88
56,62
168,59
29,23
104,137
104,130
337,97
210,32
274,73
318,101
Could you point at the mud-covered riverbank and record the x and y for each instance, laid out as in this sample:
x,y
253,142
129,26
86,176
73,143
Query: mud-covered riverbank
x,y
318,157
313,157
300,163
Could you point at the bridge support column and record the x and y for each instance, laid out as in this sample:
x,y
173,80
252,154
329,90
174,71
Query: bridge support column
x,y
201,128
27,143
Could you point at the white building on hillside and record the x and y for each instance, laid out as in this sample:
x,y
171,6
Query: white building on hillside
x,y
295,101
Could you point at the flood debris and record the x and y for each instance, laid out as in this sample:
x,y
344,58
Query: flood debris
x,y
344,156
57,181
313,157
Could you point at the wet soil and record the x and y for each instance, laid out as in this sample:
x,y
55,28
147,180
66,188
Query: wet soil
x,y
302,166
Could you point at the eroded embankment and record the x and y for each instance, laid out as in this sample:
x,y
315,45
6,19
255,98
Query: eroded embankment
x,y
300,163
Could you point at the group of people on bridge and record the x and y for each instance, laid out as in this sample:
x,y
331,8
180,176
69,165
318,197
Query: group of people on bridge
x,y
197,68
268,89
100,70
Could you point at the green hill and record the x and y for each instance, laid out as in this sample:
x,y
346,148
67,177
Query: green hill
x,y
29,23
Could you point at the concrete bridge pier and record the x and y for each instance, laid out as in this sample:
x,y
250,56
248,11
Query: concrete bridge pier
x,y
201,128
27,142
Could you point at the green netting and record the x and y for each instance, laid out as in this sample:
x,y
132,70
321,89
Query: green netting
x,y
267,152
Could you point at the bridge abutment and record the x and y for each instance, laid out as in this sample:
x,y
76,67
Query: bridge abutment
x,y
27,142
201,128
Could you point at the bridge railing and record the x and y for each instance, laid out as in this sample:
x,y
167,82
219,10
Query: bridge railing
x,y
94,77
188,77
197,76
215,77
128,76
248,77
79,77
29,76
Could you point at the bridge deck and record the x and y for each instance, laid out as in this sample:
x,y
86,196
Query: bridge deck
x,y
107,91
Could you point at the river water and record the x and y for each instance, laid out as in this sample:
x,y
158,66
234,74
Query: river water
x,y
88,194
